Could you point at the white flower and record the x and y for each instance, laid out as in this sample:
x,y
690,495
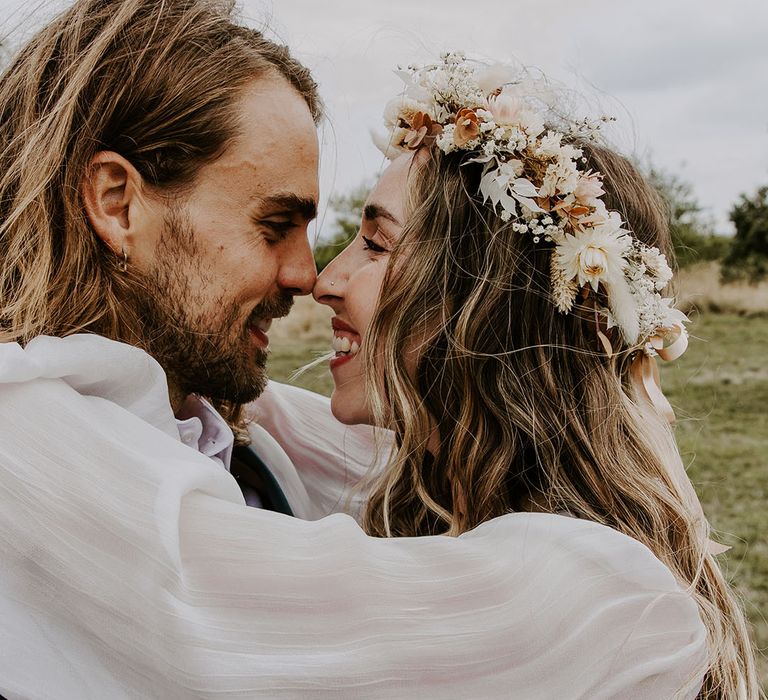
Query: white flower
x,y
657,266
390,144
512,168
560,178
517,140
486,116
510,110
549,145
672,317
402,107
595,255
445,141
495,76
568,152
589,189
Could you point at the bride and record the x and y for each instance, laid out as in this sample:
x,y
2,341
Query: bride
x,y
499,310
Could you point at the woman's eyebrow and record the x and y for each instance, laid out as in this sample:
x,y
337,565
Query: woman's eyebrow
x,y
376,211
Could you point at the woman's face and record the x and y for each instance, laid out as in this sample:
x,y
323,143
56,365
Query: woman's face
x,y
350,285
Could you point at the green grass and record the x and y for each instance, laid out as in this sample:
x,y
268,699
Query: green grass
x,y
719,389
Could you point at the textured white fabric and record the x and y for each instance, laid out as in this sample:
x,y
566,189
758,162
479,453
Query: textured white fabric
x,y
131,568
332,459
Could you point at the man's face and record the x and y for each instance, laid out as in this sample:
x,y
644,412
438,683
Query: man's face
x,y
231,252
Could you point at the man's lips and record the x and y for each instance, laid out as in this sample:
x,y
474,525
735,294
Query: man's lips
x,y
259,328
263,324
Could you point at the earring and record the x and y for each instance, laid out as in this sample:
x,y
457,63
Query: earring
x,y
122,265
333,284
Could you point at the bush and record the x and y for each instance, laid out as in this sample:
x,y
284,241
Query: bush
x,y
748,254
692,236
348,210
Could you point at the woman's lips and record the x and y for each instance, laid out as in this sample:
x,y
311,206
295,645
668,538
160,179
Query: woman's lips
x,y
346,342
338,325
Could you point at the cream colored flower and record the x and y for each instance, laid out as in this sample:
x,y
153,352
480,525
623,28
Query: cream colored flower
x,y
510,110
495,76
405,109
589,189
594,255
391,143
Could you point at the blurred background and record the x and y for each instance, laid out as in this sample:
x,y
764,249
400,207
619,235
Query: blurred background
x,y
688,84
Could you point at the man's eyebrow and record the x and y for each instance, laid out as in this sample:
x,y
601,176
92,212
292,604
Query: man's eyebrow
x,y
376,211
306,207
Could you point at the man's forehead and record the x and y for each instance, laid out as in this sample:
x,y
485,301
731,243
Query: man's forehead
x,y
272,159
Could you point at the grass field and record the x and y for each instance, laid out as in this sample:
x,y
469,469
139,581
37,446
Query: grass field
x,y
719,389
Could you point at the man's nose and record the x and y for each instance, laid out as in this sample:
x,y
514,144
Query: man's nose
x,y
298,272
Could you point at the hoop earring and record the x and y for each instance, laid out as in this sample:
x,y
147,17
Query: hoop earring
x,y
122,265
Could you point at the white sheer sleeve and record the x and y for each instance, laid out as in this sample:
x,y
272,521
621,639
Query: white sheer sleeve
x,y
132,569
330,458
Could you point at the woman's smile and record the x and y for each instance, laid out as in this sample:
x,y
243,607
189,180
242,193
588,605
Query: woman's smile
x,y
346,342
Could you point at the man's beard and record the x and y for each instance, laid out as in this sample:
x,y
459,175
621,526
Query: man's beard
x,y
203,344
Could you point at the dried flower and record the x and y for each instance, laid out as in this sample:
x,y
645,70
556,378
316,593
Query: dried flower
x,y
594,255
536,180
564,290
467,127
423,131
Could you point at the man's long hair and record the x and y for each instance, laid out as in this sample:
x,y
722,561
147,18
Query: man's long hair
x,y
527,410
157,81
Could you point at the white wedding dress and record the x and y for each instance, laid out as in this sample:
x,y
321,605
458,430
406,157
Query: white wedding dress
x,y
131,568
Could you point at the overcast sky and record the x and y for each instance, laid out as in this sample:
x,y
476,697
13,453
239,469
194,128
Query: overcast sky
x,y
686,79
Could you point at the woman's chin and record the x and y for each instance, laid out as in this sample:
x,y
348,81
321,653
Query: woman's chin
x,y
349,408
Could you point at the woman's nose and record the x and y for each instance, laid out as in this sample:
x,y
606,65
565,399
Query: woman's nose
x,y
329,287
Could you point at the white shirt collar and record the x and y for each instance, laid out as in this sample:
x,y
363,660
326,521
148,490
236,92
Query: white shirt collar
x,y
202,428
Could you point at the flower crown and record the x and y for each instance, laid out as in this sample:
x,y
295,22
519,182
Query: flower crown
x,y
533,177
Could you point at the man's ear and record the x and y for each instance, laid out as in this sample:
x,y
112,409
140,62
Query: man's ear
x,y
112,195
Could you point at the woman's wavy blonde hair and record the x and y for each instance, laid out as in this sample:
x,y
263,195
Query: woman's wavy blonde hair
x,y
156,81
520,407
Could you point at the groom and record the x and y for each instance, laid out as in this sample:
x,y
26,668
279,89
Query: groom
x,y
158,171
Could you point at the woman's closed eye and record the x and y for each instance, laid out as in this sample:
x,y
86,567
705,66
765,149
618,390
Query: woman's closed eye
x,y
369,244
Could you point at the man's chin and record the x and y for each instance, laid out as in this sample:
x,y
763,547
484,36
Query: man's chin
x,y
232,382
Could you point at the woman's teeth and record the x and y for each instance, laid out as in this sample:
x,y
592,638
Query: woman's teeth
x,y
342,344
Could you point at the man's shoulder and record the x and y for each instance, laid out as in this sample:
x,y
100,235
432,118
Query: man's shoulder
x,y
79,369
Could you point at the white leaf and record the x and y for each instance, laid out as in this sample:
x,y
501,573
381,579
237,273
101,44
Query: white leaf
x,y
623,308
524,187
529,203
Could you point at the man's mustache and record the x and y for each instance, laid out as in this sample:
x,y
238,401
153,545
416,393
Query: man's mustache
x,y
275,307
